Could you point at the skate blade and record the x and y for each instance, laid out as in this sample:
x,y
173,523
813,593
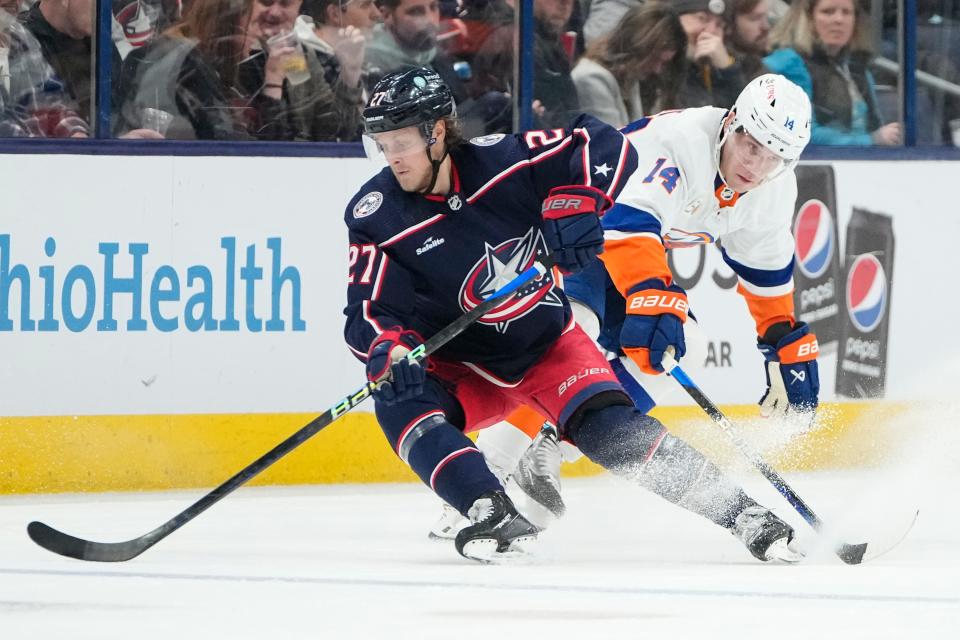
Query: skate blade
x,y
441,537
780,552
484,550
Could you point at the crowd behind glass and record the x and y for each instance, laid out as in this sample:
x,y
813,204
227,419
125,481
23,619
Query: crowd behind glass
x,y
302,69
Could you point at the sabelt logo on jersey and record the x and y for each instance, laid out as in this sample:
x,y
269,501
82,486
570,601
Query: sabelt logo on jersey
x,y
866,292
429,243
131,288
813,233
583,373
501,264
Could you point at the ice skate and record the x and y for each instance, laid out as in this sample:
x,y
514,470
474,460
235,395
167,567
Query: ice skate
x,y
766,536
538,472
448,526
498,533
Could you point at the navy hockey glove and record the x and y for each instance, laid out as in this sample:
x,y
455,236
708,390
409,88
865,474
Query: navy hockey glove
x,y
397,378
654,321
793,379
571,225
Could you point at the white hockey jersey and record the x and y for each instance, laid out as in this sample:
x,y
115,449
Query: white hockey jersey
x,y
677,199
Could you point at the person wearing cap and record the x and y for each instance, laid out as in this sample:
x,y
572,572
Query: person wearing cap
x,y
713,75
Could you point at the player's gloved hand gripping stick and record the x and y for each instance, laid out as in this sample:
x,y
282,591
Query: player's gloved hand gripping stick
x,y
849,553
571,225
70,546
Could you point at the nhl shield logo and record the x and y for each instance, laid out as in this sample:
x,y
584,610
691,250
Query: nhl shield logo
x,y
368,204
454,202
500,265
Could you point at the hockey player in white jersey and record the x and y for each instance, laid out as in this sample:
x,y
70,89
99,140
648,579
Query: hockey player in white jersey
x,y
705,175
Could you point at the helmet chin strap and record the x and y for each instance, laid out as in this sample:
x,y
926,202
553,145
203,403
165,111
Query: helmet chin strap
x,y
434,164
723,136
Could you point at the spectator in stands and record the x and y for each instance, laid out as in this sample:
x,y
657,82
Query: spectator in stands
x,y
32,100
603,15
635,69
823,46
408,38
553,88
215,74
12,7
749,25
337,31
713,76
64,29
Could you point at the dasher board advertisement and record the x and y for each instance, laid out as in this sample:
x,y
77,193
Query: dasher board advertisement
x,y
153,285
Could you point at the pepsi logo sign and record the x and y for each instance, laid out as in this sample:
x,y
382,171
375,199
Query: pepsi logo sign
x,y
866,292
813,233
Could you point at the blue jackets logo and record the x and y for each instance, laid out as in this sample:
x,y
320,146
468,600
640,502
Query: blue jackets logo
x,y
499,266
84,296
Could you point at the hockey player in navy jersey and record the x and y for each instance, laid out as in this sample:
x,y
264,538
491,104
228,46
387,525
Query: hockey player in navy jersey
x,y
431,235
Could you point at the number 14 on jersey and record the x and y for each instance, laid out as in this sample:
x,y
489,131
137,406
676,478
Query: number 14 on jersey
x,y
669,176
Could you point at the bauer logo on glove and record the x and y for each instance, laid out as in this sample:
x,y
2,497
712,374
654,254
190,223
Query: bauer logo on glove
x,y
793,377
571,225
654,322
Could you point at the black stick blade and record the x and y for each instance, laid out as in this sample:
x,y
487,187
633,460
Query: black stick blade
x,y
71,547
851,553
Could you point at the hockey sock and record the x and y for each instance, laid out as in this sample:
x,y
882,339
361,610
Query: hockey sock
x,y
639,448
502,445
446,460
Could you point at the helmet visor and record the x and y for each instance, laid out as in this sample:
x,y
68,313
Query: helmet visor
x,y
393,145
752,157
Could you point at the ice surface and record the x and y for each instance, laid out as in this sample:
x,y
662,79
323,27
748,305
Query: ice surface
x,y
354,562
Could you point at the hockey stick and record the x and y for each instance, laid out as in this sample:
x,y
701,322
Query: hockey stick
x,y
72,547
849,553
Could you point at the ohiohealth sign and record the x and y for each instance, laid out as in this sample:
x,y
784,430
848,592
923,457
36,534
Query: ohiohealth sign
x,y
166,298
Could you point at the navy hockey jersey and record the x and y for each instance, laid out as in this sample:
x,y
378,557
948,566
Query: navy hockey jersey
x,y
421,261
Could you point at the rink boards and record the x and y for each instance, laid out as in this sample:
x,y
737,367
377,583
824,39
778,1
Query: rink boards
x,y
166,320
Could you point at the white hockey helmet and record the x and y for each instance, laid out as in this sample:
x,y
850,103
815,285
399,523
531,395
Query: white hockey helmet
x,y
776,113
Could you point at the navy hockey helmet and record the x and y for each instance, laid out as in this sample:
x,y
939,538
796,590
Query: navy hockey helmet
x,y
415,97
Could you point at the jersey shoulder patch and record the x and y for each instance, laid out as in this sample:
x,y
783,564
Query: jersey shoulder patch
x,y
377,195
488,140
368,204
